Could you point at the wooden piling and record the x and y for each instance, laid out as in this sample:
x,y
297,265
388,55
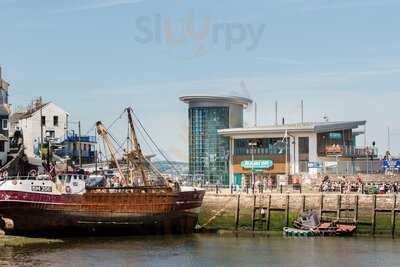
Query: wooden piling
x,y
338,207
287,210
303,201
237,215
356,201
373,214
268,212
321,206
394,216
253,215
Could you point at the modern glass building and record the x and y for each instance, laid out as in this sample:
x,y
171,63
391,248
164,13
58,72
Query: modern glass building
x,y
209,153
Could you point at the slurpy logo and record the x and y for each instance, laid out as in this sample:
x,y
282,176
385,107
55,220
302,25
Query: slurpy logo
x,y
200,33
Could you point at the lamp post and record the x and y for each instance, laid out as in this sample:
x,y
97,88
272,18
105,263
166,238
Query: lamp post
x,y
252,145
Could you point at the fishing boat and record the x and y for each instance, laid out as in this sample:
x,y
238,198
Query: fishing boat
x,y
137,200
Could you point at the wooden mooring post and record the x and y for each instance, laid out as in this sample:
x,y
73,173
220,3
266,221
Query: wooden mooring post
x,y
237,215
373,221
321,206
338,207
356,200
303,203
394,216
268,212
253,215
287,210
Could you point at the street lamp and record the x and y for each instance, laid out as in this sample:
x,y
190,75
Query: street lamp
x,y
252,145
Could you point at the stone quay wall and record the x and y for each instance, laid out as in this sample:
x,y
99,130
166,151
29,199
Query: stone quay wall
x,y
373,213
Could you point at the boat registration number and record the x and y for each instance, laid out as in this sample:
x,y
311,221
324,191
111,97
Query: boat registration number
x,y
40,188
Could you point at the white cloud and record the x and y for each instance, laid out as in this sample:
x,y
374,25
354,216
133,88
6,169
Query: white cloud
x,y
98,4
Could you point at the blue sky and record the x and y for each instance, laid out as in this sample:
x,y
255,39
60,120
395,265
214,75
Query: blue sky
x,y
94,57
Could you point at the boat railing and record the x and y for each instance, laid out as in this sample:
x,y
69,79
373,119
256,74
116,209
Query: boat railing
x,y
130,189
10,178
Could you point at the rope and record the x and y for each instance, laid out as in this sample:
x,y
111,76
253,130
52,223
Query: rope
x,y
154,143
218,213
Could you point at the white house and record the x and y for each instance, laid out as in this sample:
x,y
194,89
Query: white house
x,y
40,121
4,116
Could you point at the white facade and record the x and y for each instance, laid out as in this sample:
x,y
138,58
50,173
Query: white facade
x,y
4,120
55,125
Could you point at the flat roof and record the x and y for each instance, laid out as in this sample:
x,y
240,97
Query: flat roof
x,y
316,127
217,98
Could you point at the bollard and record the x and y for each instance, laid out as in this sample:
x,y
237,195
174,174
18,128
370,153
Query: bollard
x,y
281,189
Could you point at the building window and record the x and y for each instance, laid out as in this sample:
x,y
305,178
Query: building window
x,y
55,121
44,120
51,134
304,145
4,125
2,146
3,96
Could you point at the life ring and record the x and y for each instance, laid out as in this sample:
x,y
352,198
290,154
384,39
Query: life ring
x,y
33,173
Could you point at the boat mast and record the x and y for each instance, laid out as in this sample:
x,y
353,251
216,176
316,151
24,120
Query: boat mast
x,y
103,133
136,155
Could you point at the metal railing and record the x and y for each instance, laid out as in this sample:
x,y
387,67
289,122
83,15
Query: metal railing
x,y
349,151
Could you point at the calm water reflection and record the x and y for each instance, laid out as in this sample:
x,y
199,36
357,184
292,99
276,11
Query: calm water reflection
x,y
209,250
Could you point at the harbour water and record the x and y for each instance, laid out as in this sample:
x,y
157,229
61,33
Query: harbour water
x,y
208,250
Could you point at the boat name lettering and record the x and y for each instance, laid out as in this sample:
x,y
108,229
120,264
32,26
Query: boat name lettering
x,y
40,188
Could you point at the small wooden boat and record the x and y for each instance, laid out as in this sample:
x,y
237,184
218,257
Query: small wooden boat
x,y
308,224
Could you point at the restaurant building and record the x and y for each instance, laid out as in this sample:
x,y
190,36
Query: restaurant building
x,y
303,149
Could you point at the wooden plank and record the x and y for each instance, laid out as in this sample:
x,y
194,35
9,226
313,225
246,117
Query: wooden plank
x,y
384,210
278,209
237,215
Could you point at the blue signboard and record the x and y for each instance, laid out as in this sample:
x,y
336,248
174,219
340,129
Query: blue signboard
x,y
314,165
386,164
397,166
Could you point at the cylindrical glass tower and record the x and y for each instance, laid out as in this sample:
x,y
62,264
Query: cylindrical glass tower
x,y
208,151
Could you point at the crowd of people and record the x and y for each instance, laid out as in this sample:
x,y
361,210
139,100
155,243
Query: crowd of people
x,y
358,186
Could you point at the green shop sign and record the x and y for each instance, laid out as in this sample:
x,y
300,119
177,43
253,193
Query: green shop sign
x,y
257,164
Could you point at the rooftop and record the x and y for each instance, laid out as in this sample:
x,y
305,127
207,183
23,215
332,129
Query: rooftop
x,y
217,98
316,127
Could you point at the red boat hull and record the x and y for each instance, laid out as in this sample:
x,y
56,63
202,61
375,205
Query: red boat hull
x,y
105,213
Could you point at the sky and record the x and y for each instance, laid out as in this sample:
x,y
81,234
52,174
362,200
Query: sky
x,y
95,57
